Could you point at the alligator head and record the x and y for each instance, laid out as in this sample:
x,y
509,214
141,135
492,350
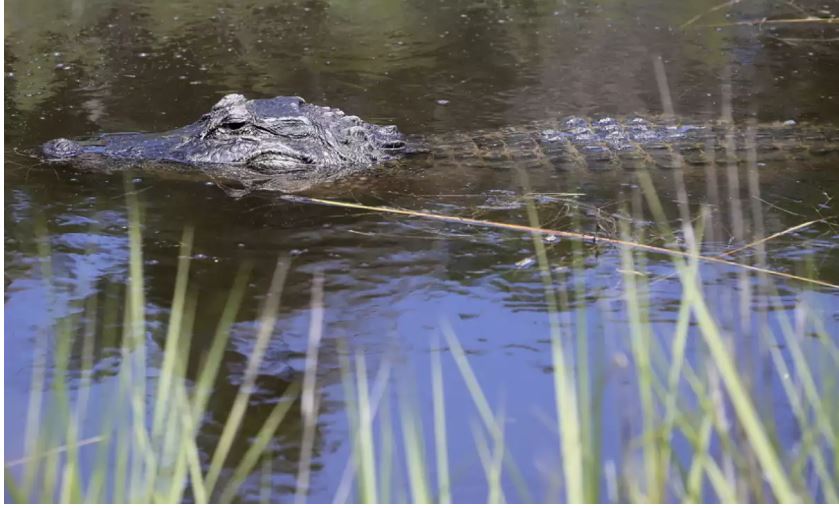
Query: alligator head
x,y
279,135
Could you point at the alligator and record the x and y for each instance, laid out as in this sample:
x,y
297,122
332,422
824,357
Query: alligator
x,y
294,144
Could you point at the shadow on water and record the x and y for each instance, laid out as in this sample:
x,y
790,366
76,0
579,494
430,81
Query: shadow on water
x,y
430,67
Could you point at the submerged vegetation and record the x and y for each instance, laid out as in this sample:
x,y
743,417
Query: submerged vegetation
x,y
702,429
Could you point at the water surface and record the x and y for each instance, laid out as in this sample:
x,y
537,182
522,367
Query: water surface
x,y
83,67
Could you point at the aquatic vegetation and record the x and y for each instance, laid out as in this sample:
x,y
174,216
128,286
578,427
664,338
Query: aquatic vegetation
x,y
701,429
442,332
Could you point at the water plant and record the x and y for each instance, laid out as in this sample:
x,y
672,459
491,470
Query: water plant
x,y
704,433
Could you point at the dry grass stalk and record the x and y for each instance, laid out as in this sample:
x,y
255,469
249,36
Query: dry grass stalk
x,y
559,233
773,236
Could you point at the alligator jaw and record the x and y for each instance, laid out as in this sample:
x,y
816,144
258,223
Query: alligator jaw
x,y
280,160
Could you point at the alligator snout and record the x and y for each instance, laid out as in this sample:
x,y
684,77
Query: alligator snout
x,y
61,148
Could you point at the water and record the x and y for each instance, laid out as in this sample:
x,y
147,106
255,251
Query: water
x,y
430,67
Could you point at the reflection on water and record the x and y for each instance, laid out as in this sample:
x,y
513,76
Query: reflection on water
x,y
85,67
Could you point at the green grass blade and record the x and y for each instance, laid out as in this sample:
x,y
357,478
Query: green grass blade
x,y
480,401
134,341
210,367
237,412
171,349
640,334
589,426
365,450
490,462
190,448
386,447
310,399
693,489
266,485
12,489
565,389
259,444
440,439
34,407
414,445
739,395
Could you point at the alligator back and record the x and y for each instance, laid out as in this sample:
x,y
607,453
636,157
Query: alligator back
x,y
633,143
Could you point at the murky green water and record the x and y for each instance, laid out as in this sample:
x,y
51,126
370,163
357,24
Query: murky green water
x,y
83,67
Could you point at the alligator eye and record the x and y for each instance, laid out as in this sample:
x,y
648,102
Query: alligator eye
x,y
235,126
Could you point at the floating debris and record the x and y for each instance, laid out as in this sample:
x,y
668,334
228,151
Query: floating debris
x,y
526,262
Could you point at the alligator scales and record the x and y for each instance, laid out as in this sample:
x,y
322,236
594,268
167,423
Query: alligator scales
x,y
286,136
